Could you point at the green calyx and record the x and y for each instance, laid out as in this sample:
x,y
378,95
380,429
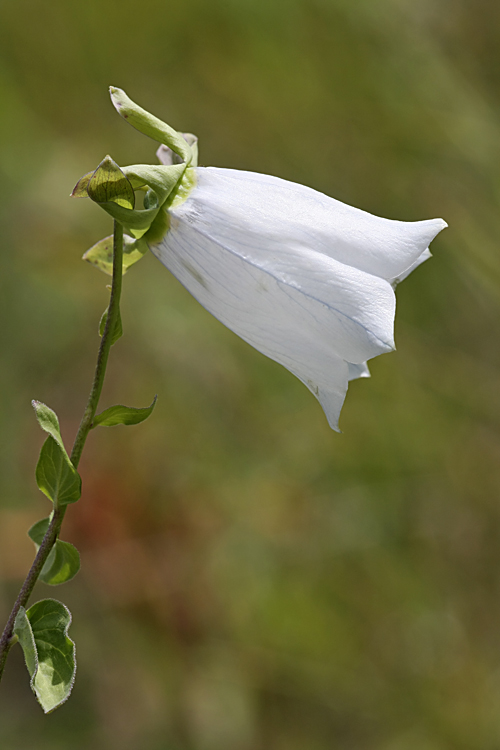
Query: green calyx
x,y
150,125
165,185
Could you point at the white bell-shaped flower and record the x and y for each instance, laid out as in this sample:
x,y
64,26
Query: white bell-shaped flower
x,y
304,278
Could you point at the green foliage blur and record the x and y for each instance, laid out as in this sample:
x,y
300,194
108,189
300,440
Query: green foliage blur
x,y
250,579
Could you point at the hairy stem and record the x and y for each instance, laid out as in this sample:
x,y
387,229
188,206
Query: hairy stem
x,y
52,534
106,342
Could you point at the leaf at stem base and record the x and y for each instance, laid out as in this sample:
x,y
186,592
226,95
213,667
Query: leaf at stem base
x,y
48,651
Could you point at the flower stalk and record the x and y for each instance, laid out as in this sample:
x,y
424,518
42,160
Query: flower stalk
x,y
50,538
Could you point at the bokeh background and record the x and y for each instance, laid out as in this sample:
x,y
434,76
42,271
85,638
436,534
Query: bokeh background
x,y
252,580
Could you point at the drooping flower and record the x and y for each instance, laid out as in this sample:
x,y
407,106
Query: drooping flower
x,y
305,279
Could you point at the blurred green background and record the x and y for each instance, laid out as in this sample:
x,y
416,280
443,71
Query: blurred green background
x,y
252,580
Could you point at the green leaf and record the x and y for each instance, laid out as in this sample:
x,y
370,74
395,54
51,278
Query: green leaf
x,y
118,330
62,564
149,124
22,629
123,415
56,476
100,255
108,184
48,651
53,455
37,532
48,421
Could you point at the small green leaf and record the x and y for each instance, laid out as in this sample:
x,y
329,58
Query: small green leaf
x,y
22,629
62,564
100,255
118,330
108,184
37,532
123,415
48,421
48,652
56,476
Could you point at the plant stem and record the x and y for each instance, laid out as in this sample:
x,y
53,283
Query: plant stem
x,y
52,534
106,342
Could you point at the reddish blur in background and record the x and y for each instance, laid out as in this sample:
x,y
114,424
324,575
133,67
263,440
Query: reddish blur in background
x,y
250,579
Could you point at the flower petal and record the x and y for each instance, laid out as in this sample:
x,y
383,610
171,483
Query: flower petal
x,y
303,278
352,312
309,314
257,202
357,371
425,256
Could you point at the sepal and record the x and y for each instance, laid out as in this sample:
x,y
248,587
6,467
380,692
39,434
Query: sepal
x,y
150,125
160,178
159,181
113,189
167,156
109,184
80,189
